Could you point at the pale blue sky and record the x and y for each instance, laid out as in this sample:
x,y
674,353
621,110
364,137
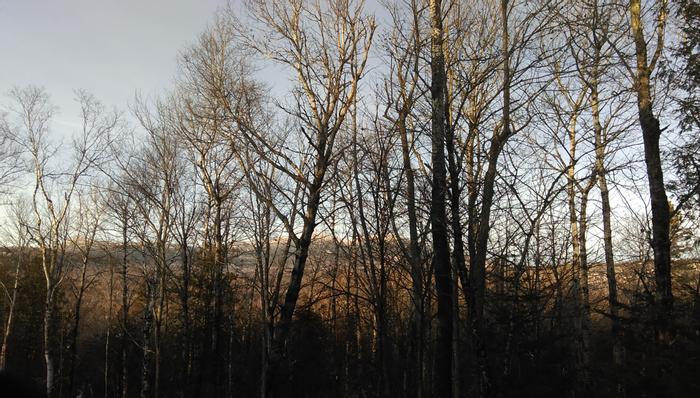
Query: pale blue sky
x,y
111,48
108,47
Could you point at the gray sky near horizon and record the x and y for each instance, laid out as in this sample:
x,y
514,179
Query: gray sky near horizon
x,y
111,48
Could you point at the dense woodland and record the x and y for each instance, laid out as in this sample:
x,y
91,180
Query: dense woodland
x,y
453,198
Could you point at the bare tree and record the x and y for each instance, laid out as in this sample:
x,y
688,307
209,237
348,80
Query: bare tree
x,y
592,33
122,215
402,92
642,74
438,217
10,154
90,215
214,75
327,47
154,177
20,240
54,187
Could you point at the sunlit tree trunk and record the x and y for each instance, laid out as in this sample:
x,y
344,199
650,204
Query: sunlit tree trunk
x,y
10,312
651,133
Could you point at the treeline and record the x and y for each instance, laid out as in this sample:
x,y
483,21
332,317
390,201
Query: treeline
x,y
455,198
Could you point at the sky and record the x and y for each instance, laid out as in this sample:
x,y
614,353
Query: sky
x,y
111,48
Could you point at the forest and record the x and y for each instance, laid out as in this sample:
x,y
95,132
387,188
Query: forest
x,y
447,198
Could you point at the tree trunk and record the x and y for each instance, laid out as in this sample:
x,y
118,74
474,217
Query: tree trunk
x,y
125,308
414,262
660,212
11,310
277,372
73,343
438,217
49,266
186,333
108,334
229,366
218,273
48,342
458,259
477,276
600,149
584,307
147,349
579,265
160,318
